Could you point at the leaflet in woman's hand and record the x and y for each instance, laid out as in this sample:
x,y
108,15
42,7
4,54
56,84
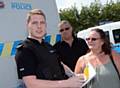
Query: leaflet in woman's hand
x,y
89,73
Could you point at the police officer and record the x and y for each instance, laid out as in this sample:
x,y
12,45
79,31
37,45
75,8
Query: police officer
x,y
37,62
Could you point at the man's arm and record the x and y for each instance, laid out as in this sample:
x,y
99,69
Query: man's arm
x,y
68,71
33,82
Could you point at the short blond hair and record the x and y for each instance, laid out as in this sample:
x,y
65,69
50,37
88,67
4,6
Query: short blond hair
x,y
33,12
64,22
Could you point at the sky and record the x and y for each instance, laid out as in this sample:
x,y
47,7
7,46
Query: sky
x,y
61,4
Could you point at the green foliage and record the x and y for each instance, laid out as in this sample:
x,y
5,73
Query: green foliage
x,y
92,15
72,15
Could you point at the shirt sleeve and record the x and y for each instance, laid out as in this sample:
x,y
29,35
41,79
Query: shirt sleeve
x,y
26,63
84,45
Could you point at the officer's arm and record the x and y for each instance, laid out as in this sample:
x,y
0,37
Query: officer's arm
x,y
68,71
33,82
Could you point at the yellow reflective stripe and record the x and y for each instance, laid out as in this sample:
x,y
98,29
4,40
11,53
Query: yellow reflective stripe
x,y
7,49
53,39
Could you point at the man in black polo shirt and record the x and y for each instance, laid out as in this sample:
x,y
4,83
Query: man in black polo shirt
x,y
70,48
37,62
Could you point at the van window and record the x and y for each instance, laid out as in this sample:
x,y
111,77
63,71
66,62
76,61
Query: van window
x,y
116,35
107,34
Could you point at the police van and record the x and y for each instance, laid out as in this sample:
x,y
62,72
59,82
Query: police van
x,y
13,31
112,31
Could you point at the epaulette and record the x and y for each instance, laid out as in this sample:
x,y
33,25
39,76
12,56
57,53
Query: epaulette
x,y
20,46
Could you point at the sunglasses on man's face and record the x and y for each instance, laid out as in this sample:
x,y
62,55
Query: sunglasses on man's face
x,y
65,29
92,39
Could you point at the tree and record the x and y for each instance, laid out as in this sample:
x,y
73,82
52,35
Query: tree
x,y
89,16
72,15
92,15
110,12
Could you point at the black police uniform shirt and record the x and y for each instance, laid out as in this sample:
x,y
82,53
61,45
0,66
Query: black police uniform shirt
x,y
69,55
28,63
